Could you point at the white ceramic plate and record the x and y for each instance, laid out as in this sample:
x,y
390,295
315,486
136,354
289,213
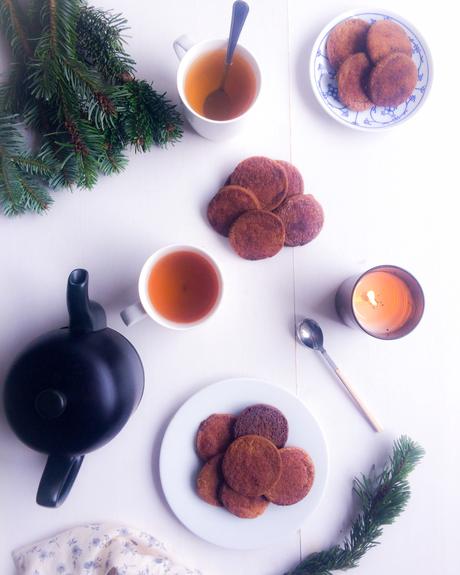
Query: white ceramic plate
x,y
324,83
179,465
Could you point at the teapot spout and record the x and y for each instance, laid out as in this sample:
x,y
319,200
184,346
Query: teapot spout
x,y
85,315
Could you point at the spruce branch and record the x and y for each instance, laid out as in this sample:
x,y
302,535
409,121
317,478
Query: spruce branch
x,y
14,23
100,44
72,84
382,499
22,177
150,118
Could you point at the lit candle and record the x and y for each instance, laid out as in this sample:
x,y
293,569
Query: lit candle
x,y
386,302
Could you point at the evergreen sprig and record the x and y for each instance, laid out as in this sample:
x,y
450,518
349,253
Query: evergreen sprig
x,y
381,499
100,44
16,28
73,83
22,177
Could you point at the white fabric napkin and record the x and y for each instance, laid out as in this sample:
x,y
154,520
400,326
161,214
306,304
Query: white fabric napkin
x,y
98,549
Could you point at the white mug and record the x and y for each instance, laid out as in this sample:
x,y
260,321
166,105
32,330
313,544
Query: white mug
x,y
187,52
144,308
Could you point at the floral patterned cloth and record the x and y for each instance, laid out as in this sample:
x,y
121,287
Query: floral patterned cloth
x,y
98,549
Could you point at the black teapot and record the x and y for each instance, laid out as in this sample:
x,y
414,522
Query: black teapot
x,y
72,390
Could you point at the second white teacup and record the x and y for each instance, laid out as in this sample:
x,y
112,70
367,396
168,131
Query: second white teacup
x,y
188,54
179,287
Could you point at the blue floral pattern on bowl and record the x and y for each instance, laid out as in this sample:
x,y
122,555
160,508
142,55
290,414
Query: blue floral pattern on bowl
x,y
324,81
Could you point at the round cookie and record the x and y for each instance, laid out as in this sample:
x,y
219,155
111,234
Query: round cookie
x,y
296,480
209,481
294,179
214,435
392,80
264,420
346,39
257,234
251,465
352,79
241,505
227,205
264,177
385,37
303,219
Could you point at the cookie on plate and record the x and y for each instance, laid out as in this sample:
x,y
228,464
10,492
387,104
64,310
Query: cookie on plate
x,y
296,480
385,37
257,234
346,39
242,505
251,465
209,481
264,420
264,177
214,435
228,205
303,219
392,80
352,79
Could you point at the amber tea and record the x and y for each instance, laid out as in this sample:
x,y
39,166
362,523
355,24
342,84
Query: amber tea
x,y
183,286
205,75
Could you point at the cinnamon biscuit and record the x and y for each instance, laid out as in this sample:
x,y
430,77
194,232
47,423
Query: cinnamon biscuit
x,y
385,37
346,39
214,435
294,179
392,80
296,480
264,177
264,420
251,465
303,219
352,79
241,505
257,234
227,205
209,480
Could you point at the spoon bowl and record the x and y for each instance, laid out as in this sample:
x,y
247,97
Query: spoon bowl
x,y
310,334
218,103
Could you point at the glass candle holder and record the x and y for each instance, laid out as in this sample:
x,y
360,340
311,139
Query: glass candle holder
x,y
386,302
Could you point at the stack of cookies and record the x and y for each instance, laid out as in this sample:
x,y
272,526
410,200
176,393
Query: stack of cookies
x,y
246,464
262,207
373,62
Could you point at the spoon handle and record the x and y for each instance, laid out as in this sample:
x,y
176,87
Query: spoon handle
x,y
239,13
370,418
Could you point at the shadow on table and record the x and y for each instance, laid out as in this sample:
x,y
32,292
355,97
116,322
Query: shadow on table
x,y
302,74
322,308
325,307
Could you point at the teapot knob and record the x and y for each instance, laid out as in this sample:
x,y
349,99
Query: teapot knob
x,y
50,403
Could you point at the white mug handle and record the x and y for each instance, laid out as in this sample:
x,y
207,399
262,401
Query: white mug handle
x,y
182,45
133,313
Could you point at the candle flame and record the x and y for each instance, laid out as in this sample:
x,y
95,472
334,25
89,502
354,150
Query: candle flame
x,y
371,297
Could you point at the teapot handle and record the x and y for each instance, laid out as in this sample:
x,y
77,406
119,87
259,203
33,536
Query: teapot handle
x,y
57,479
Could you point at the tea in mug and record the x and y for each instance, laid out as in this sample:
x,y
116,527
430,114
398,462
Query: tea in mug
x,y
183,286
205,75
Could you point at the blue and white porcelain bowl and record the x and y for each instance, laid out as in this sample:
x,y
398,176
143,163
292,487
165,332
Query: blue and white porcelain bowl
x,y
324,82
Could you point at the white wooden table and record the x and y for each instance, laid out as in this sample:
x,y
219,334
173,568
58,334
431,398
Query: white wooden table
x,y
388,197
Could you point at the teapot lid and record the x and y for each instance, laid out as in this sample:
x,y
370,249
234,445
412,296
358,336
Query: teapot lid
x,y
74,388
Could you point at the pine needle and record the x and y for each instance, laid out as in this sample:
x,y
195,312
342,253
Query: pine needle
x,y
72,82
382,498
